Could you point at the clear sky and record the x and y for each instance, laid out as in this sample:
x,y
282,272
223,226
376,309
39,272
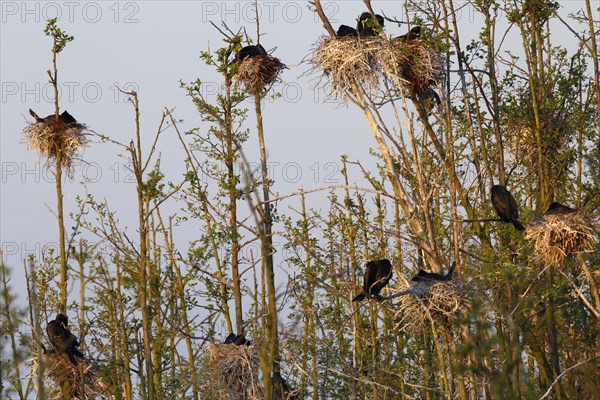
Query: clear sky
x,y
149,46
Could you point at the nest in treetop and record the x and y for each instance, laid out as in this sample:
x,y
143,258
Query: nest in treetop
x,y
521,139
349,61
555,236
433,299
80,381
51,138
259,73
232,369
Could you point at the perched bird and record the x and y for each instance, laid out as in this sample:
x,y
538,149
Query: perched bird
x,y
64,117
249,52
62,339
413,34
428,98
424,276
367,26
345,30
238,340
558,209
377,275
506,207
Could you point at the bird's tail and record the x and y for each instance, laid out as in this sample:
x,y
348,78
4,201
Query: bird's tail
x,y
451,270
359,297
34,115
518,226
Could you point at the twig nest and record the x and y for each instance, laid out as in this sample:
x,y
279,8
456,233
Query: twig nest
x,y
51,138
431,299
259,73
556,236
80,381
232,370
361,62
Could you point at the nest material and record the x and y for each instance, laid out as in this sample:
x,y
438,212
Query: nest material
x,y
259,73
80,381
233,369
52,138
350,62
556,236
433,299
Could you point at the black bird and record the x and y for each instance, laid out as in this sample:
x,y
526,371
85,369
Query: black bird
x,y
413,34
238,340
424,276
506,207
345,30
558,209
428,98
367,26
64,117
377,275
62,339
249,52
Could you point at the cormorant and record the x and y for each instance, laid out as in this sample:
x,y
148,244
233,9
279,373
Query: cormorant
x,y
558,209
367,26
506,207
424,276
377,275
238,340
249,52
62,339
345,30
64,117
413,34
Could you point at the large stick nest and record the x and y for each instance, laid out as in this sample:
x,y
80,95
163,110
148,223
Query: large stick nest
x,y
556,236
360,62
432,299
232,370
80,381
259,73
52,138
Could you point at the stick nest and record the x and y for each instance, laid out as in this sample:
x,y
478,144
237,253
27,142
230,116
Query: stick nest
x,y
81,381
52,138
556,236
259,73
438,299
232,370
360,62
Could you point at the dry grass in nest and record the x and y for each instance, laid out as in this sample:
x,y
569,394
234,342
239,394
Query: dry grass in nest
x,y
259,73
51,138
556,236
433,298
350,61
232,369
79,381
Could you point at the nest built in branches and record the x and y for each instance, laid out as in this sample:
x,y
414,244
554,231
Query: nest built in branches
x,y
431,299
53,138
66,380
557,236
232,370
350,62
259,73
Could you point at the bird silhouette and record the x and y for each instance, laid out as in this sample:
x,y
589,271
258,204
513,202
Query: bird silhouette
x,y
345,31
377,275
558,209
238,340
413,34
506,207
250,52
64,117
423,276
63,341
369,26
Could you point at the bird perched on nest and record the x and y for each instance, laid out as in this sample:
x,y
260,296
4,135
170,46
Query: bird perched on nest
x,y
414,33
345,31
62,339
558,209
506,207
64,117
377,275
368,26
424,276
249,52
238,340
